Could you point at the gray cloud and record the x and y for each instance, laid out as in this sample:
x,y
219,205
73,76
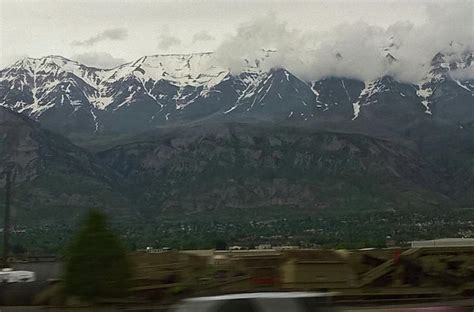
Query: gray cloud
x,y
98,59
109,34
166,40
312,55
202,36
463,74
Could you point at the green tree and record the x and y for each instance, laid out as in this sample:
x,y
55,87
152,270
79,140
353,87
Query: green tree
x,y
97,263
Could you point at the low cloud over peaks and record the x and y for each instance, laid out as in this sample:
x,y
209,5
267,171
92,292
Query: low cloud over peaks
x,y
98,59
167,40
109,34
357,50
202,36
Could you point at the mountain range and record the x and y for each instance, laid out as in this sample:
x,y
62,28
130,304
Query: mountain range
x,y
166,90
176,136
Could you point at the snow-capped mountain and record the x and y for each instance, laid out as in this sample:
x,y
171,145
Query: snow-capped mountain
x,y
168,89
445,95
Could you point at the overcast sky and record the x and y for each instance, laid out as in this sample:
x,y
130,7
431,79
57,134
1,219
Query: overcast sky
x,y
108,32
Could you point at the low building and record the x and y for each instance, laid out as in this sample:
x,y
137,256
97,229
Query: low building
x,y
315,269
444,242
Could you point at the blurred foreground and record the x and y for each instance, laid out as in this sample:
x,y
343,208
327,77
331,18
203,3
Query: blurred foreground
x,y
367,279
464,306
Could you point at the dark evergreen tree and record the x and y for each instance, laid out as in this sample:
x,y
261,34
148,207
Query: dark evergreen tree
x,y
97,263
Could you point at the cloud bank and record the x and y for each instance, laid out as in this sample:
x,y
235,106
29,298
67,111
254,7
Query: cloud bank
x,y
109,34
202,36
356,50
167,40
98,59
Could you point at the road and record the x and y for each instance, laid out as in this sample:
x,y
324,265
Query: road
x,y
468,306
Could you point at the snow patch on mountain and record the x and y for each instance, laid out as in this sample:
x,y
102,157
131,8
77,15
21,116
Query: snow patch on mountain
x,y
179,69
174,82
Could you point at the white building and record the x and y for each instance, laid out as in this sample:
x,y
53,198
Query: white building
x,y
10,276
444,242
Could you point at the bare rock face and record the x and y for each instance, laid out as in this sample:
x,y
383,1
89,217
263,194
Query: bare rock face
x,y
54,179
259,168
219,169
17,145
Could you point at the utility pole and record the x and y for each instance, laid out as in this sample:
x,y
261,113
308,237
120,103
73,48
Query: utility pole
x,y
6,223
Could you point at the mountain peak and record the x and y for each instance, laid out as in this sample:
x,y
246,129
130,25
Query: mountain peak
x,y
167,88
438,59
181,54
49,59
390,58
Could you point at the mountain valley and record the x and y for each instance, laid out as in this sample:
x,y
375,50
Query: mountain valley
x,y
173,138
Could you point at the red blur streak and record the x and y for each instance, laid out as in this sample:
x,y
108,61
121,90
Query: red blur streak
x,y
396,256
